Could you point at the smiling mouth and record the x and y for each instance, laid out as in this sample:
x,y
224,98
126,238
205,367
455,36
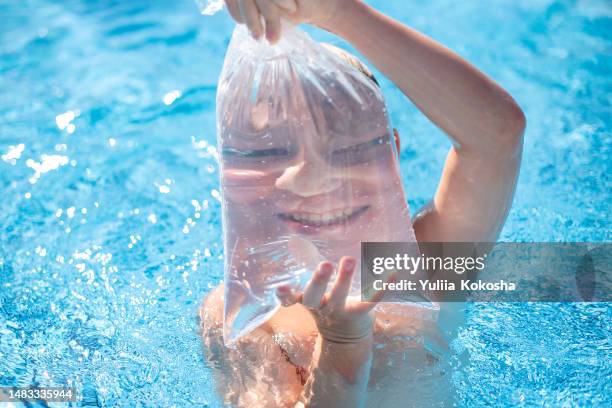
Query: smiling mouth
x,y
331,218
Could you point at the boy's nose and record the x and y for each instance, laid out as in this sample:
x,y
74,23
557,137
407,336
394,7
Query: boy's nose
x,y
308,178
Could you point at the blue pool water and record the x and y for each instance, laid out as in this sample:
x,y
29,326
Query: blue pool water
x,y
109,211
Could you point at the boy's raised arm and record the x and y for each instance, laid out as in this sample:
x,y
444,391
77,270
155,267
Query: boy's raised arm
x,y
483,120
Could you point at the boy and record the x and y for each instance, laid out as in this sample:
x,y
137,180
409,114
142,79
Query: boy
x,y
318,351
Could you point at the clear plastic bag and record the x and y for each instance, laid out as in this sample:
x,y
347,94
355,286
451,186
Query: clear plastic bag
x,y
209,7
309,169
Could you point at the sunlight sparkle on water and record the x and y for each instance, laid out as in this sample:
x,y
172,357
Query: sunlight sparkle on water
x,y
64,121
171,96
48,163
13,154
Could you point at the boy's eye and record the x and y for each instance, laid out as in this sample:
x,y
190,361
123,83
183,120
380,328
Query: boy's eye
x,y
255,157
361,153
246,153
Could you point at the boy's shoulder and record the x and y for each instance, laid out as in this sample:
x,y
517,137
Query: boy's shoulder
x,y
211,312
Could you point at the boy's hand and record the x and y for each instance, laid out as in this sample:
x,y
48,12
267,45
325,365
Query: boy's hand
x,y
339,319
250,12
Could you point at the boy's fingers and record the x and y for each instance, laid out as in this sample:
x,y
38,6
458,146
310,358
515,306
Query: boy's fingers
x,y
313,295
250,15
341,288
289,5
287,296
234,10
271,16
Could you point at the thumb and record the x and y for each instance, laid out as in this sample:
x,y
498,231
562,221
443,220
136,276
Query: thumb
x,y
288,296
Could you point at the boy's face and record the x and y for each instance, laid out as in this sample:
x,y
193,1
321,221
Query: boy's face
x,y
330,179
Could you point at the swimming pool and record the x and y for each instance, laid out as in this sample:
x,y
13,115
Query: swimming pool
x,y
110,218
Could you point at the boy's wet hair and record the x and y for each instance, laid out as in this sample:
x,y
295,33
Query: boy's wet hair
x,y
357,63
343,102
353,60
